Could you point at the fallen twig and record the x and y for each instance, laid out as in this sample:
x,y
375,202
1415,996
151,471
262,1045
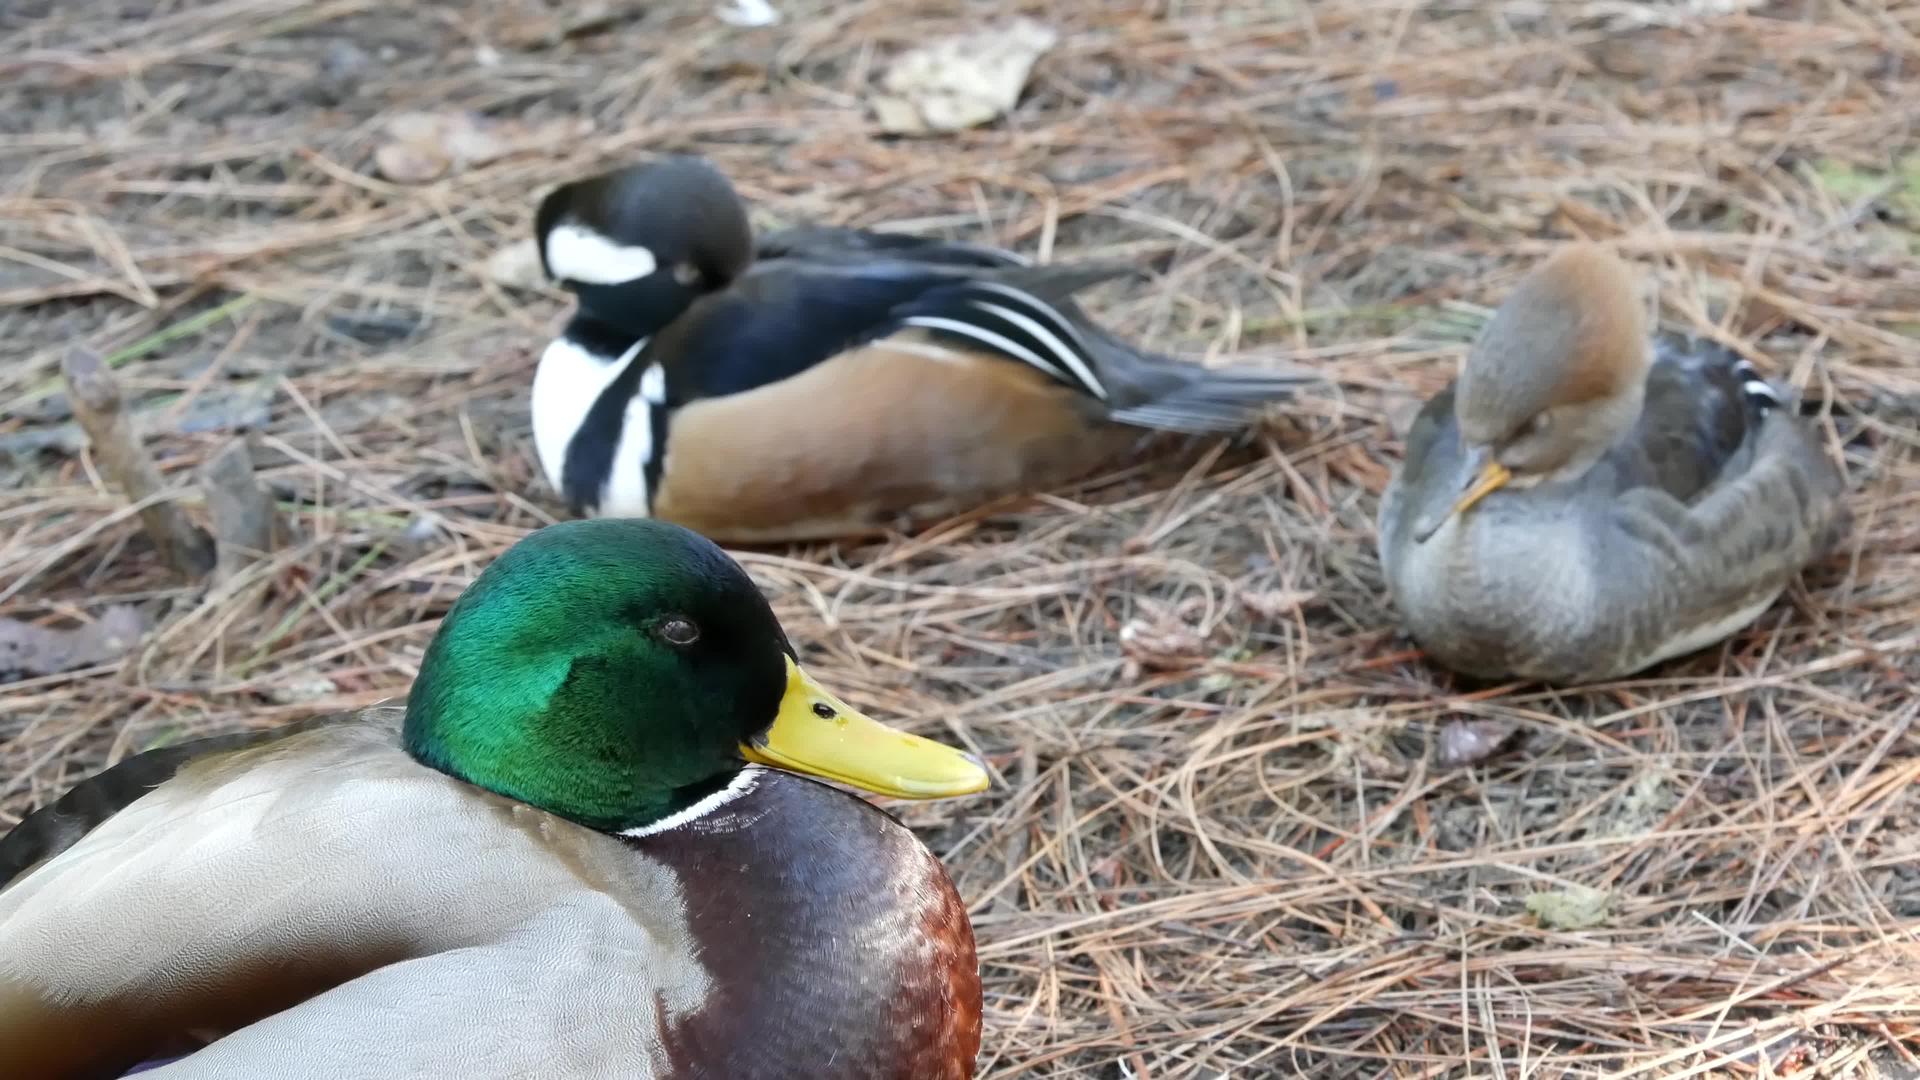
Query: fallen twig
x,y
98,406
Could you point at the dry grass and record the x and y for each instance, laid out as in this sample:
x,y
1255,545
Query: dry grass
x,y
1242,861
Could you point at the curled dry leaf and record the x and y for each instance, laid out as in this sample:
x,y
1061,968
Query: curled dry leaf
x,y
303,691
1470,742
517,266
1276,603
1162,641
426,146
961,82
1576,908
27,650
1369,746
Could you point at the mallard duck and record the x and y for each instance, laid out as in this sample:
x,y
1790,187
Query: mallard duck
x,y
831,381
583,847
1584,501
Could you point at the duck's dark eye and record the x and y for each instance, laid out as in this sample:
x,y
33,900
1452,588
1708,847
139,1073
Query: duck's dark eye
x,y
686,274
1536,425
678,631
823,710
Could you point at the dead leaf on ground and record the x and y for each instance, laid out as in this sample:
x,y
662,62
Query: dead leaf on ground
x,y
1161,640
28,650
303,691
961,82
1470,742
1370,746
426,146
1575,908
517,266
1273,604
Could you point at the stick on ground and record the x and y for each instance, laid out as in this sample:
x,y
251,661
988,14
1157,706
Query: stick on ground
x,y
116,447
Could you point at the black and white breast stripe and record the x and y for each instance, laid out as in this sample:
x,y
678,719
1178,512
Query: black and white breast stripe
x,y
1014,322
599,422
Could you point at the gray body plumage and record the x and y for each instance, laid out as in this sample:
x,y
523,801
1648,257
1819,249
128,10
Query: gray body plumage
x,y
1683,532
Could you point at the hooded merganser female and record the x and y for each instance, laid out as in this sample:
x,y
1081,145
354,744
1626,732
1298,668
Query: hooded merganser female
x,y
1585,501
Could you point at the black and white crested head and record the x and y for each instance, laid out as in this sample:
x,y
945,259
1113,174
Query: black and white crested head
x,y
638,246
678,214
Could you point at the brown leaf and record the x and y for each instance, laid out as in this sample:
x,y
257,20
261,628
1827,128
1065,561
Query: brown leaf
x,y
28,650
1273,604
407,163
961,82
1576,908
427,146
1470,742
517,266
1162,641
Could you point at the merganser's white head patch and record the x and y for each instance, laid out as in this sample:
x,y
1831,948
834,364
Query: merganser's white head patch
x,y
579,254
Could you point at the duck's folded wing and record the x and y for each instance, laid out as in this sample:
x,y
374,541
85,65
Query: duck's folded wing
x,y
1711,566
784,317
254,880
60,824
545,1000
834,241
1703,403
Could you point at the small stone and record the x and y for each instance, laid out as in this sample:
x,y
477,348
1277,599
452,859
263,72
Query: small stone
x,y
302,691
1576,908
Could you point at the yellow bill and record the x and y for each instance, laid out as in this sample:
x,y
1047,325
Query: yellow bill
x,y
816,733
1491,478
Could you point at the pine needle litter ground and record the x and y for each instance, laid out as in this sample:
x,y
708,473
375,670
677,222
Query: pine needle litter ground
x,y
1229,836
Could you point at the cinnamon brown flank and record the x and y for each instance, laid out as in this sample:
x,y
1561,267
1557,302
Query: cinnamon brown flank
x,y
771,462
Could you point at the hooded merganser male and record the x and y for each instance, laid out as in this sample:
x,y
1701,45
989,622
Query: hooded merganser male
x,y
1584,502
828,380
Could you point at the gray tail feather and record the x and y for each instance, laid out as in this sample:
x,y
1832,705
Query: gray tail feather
x,y
1150,390
1208,402
1055,282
